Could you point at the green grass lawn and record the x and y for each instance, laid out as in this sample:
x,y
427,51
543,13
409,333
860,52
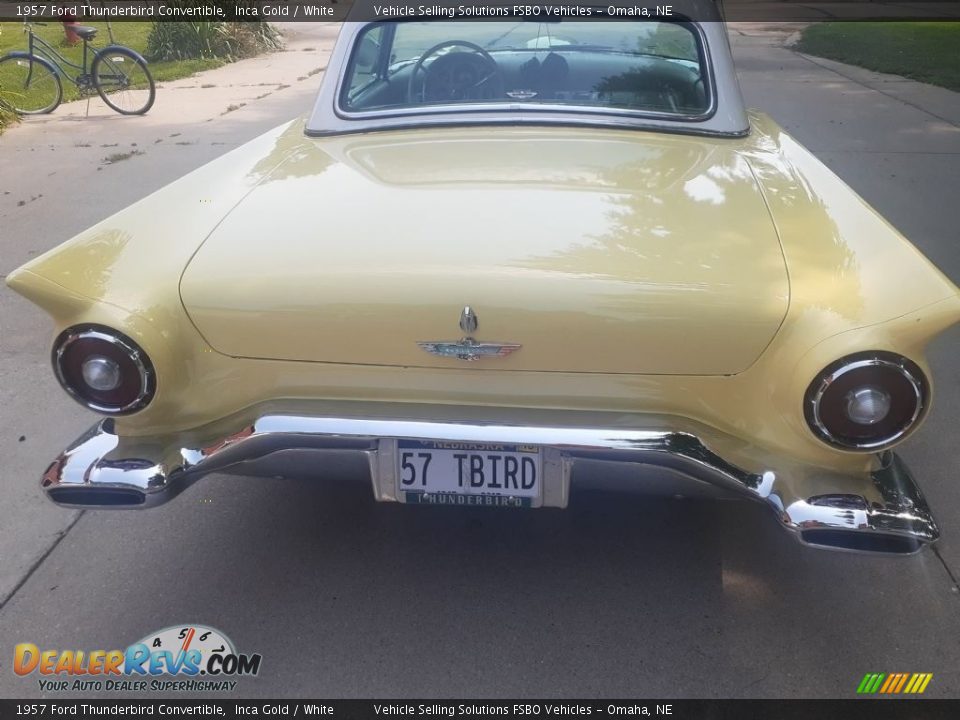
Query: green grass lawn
x,y
924,51
132,34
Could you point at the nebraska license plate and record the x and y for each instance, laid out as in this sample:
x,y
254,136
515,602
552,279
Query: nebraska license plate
x,y
461,473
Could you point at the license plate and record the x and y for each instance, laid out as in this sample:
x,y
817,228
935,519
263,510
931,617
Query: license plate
x,y
455,473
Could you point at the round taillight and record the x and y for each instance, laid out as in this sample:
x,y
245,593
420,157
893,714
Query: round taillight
x,y
103,369
866,401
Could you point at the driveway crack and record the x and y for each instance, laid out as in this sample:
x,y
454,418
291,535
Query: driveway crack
x,y
950,574
33,568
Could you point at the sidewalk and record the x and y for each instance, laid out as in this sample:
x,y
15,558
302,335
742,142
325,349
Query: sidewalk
x,y
775,39
199,118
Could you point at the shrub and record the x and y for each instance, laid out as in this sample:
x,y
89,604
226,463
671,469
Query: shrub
x,y
210,39
182,40
246,39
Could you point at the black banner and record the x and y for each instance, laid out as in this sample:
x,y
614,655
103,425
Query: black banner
x,y
877,709
363,10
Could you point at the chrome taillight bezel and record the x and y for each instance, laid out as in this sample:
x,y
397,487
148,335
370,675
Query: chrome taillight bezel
x,y
916,388
140,360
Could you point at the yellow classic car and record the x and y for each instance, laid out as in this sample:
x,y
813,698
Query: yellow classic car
x,y
498,255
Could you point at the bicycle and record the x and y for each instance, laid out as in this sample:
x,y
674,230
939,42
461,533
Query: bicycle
x,y
30,80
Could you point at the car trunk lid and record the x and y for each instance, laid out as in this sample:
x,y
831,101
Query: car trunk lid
x,y
594,251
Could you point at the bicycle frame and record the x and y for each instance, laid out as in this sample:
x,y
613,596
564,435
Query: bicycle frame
x,y
38,46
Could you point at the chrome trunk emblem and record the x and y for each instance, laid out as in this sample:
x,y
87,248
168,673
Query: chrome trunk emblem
x,y
467,348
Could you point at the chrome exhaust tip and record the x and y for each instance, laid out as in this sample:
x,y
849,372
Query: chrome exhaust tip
x,y
862,542
87,476
896,521
96,497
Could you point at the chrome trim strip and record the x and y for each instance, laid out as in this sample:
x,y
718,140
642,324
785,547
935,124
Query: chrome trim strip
x,y
883,505
522,111
544,121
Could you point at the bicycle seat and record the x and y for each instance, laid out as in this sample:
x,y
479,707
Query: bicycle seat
x,y
84,31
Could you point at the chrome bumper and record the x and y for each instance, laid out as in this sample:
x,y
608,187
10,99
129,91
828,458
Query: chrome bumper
x,y
882,511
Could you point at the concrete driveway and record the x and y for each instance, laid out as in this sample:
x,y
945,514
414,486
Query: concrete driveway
x,y
343,597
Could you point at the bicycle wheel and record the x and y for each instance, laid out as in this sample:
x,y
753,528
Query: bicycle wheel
x,y
29,84
123,81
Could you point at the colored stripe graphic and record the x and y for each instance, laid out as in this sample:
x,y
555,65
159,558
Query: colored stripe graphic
x,y
894,683
890,681
901,682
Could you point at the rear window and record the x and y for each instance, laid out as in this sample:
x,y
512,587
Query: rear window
x,y
646,66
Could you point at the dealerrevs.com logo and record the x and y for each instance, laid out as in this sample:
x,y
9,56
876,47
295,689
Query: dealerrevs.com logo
x,y
180,658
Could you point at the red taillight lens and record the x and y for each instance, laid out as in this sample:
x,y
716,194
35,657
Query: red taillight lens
x,y
103,369
866,401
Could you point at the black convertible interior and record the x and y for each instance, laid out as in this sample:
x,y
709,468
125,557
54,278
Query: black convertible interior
x,y
459,71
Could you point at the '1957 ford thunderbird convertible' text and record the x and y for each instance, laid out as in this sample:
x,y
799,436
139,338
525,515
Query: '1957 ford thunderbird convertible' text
x,y
497,254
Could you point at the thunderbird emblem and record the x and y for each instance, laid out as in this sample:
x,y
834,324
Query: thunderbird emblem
x,y
467,348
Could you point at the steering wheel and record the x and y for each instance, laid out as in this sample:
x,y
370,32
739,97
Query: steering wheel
x,y
455,76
